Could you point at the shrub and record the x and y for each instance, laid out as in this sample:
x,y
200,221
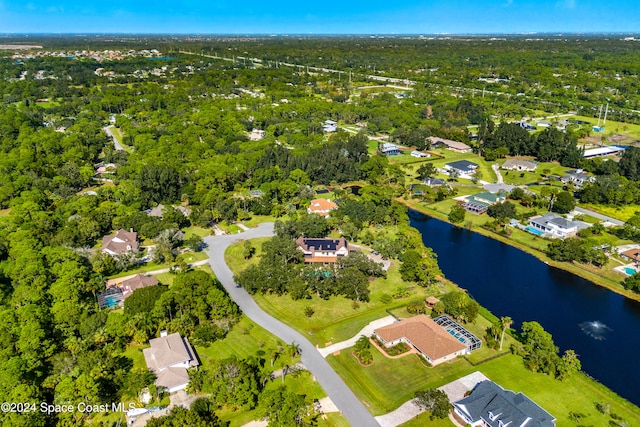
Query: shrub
x,y
416,308
309,311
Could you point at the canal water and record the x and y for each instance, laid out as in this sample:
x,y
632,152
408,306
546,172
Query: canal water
x,y
600,325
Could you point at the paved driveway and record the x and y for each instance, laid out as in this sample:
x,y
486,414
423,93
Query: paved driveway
x,y
351,407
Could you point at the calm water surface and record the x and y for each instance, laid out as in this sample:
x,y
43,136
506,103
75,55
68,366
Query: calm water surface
x,y
600,325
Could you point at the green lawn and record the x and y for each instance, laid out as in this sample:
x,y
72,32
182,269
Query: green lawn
x,y
335,319
245,339
423,420
577,394
197,231
388,383
259,219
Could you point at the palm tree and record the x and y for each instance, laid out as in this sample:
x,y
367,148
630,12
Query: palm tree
x,y
506,323
294,349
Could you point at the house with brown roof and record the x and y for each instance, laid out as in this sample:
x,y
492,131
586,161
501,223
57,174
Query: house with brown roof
x,y
138,281
121,242
632,255
321,207
455,146
326,251
169,357
430,339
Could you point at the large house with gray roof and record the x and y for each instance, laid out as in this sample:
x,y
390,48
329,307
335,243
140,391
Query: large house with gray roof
x,y
554,225
169,357
489,405
577,177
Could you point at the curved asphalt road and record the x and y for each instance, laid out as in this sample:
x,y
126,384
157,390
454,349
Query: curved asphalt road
x,y
351,407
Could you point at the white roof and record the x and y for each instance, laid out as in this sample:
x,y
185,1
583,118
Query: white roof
x,y
603,151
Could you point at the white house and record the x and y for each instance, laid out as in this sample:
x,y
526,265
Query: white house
x,y
520,165
389,149
554,225
169,357
257,135
330,126
419,154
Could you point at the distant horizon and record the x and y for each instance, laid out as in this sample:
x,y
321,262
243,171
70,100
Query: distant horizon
x,y
243,34
285,17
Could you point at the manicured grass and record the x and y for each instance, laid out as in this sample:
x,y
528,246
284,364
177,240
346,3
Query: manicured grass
x,y
334,319
245,339
197,231
234,259
117,133
387,383
407,159
259,219
577,394
134,352
423,420
229,228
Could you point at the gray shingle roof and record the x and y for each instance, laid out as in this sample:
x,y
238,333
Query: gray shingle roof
x,y
463,165
500,407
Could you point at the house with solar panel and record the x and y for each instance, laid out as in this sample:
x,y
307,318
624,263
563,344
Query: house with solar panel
x,y
489,405
322,250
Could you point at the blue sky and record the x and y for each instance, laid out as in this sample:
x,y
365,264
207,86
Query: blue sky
x,y
329,17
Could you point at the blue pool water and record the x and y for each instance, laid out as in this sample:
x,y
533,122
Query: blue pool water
x,y
532,230
111,302
629,271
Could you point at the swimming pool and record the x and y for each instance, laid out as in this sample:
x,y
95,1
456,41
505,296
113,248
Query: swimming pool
x,y
630,271
535,231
